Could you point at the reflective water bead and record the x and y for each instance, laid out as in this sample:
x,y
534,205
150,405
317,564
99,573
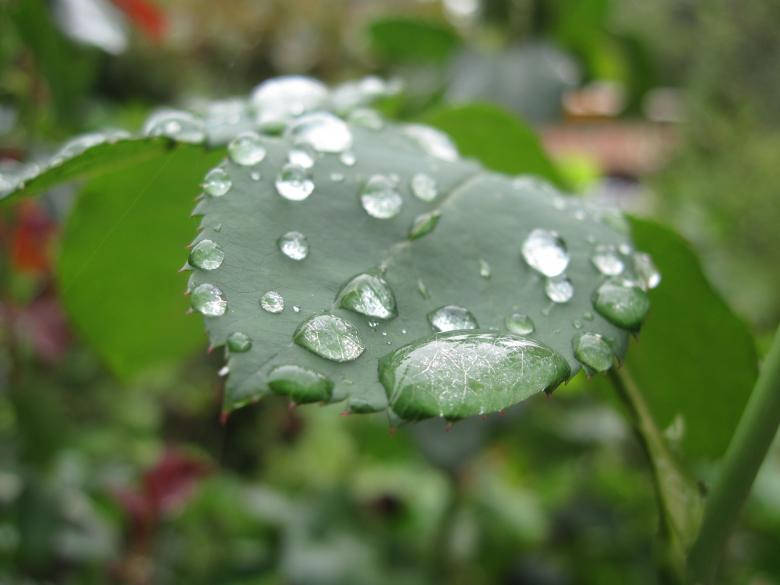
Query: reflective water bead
x,y
348,159
247,149
424,224
606,260
322,131
368,294
451,318
217,182
380,198
433,141
288,95
272,302
302,155
622,303
559,289
367,118
208,300
176,124
545,251
239,342
294,183
330,337
646,270
592,350
294,245
302,385
519,324
206,255
424,187
484,268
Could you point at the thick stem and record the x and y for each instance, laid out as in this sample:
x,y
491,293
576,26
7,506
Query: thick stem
x,y
746,453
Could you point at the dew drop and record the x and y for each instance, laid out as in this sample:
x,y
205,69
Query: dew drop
x,y
452,318
255,175
380,198
79,144
424,187
330,337
175,124
433,141
559,289
286,96
272,302
246,149
368,294
588,316
217,182
484,269
622,303
296,309
208,300
239,342
294,245
424,224
336,177
302,385
422,289
294,183
592,350
367,118
348,159
322,131
545,252
606,260
646,270
520,324
302,155
206,255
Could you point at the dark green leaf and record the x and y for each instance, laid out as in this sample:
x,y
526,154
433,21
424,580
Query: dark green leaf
x,y
399,39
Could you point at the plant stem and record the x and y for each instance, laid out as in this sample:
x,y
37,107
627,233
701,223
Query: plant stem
x,y
746,453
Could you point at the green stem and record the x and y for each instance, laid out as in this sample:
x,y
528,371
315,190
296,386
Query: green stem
x,y
746,453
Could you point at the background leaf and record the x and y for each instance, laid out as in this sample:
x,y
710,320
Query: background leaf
x,y
398,39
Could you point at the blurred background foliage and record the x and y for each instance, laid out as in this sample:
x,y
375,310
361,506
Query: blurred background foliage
x,y
665,108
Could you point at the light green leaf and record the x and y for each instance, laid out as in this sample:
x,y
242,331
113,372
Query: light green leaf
x,y
399,39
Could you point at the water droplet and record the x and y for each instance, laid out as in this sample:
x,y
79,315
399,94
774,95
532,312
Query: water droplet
x,y
246,149
368,294
424,187
330,337
424,224
294,245
272,302
217,182
294,183
422,289
175,124
206,255
520,324
577,324
217,227
380,198
484,268
622,303
559,289
208,300
588,316
302,385
322,131
348,159
79,144
255,175
625,249
367,118
223,371
606,260
336,177
279,98
592,350
452,318
302,155
646,270
545,252
296,309
433,141
239,342
460,374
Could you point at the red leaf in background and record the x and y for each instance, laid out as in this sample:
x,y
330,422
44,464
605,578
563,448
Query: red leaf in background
x,y
145,15
31,239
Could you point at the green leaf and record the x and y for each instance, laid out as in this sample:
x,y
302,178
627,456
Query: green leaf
x,y
694,358
497,138
398,39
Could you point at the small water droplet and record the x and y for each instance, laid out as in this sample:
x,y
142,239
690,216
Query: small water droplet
x,y
79,144
322,131
520,324
175,124
302,155
484,268
451,318
367,118
424,187
622,303
424,224
577,324
403,331
380,198
206,255
296,308
239,342
272,302
348,159
545,252
246,149
223,371
606,260
330,337
433,141
336,177
294,183
208,300
422,289
625,249
255,175
217,182
592,350
646,270
559,289
302,385
294,245
217,227
368,294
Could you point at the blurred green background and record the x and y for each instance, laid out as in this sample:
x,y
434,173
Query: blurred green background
x,y
666,109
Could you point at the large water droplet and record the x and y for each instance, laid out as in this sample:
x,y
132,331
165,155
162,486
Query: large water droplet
x,y
622,303
206,255
484,269
380,198
434,142
175,124
294,183
559,289
348,159
294,245
272,302
302,385
424,224
645,269
279,98
593,351
246,149
368,294
520,324
208,300
239,342
545,252
322,131
424,187
217,182
606,260
330,337
302,155
452,318
461,374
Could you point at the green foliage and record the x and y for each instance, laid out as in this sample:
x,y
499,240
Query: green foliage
x,y
399,39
